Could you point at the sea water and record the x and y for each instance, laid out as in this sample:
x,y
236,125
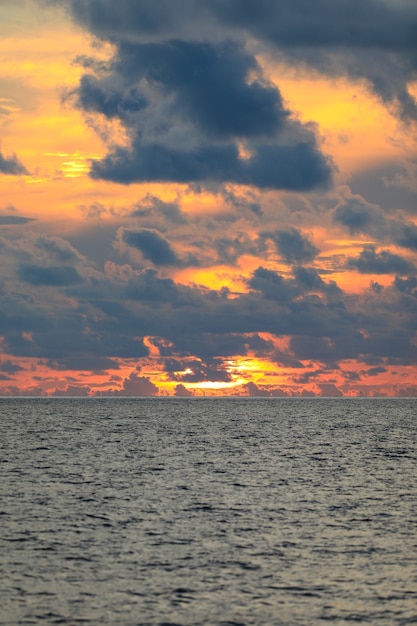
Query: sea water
x,y
182,511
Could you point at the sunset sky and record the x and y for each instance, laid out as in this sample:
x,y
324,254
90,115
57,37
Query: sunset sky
x,y
208,198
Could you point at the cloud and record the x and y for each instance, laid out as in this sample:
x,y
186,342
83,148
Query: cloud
x,y
11,165
360,216
195,370
83,361
374,371
153,246
182,391
57,249
76,391
373,40
49,276
298,167
297,23
209,85
329,390
254,391
96,95
371,262
9,367
136,385
293,246
406,285
14,220
153,208
190,107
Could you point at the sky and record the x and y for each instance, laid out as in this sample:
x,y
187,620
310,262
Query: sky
x,y
208,198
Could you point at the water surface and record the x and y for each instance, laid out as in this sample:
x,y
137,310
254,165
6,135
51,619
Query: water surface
x,y
208,511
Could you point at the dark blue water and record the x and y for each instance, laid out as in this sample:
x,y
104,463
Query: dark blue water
x,y
208,511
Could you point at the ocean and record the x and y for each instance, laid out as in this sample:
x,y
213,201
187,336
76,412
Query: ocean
x,y
208,511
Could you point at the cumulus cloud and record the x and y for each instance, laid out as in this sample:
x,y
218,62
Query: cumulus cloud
x,y
372,262
298,167
152,245
253,390
360,216
188,104
372,40
182,391
137,386
49,276
294,246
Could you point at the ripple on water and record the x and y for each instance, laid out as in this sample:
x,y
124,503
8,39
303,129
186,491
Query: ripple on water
x,y
201,512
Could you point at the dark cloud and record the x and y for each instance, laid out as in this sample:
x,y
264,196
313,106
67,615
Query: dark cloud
x,y
151,206
210,86
197,331
182,391
58,249
198,371
230,249
293,246
298,23
329,390
14,220
272,285
298,167
254,391
285,290
374,371
9,367
406,285
371,262
11,165
49,276
372,40
83,362
136,385
153,246
95,95
131,19
107,315
359,216
405,235
73,391
187,104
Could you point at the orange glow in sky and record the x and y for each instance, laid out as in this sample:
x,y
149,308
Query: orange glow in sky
x,y
174,283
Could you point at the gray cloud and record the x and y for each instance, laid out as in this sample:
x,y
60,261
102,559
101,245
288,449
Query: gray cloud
x,y
14,220
186,104
297,167
153,246
49,276
371,262
373,40
359,216
293,245
153,208
12,165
